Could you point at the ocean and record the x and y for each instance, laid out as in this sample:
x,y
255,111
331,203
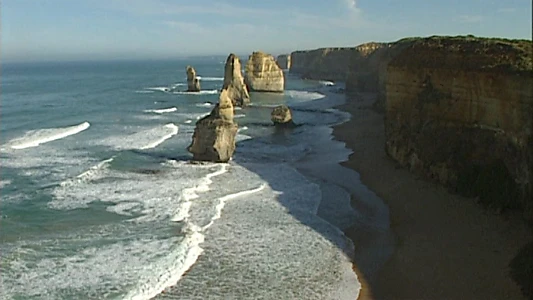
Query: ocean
x,y
100,200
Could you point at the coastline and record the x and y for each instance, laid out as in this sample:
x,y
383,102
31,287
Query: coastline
x,y
446,246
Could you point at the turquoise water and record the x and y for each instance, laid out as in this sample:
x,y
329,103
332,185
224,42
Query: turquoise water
x,y
99,200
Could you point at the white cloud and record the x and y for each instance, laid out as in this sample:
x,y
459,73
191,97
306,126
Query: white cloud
x,y
352,5
507,10
470,19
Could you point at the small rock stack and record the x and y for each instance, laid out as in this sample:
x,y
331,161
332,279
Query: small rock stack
x,y
193,84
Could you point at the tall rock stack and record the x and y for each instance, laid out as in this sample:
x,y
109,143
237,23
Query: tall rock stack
x,y
214,135
284,61
193,84
234,82
263,73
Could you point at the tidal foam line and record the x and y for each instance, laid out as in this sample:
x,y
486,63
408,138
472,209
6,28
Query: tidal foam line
x,y
175,272
222,202
191,193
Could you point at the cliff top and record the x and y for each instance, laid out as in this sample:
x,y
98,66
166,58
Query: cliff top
x,y
467,53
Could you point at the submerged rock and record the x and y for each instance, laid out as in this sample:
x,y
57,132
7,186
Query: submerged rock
x,y
263,73
234,82
193,84
282,116
214,135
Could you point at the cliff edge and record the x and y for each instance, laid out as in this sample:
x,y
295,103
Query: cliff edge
x,y
459,110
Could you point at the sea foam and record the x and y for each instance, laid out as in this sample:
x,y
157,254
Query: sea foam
x,y
205,92
210,78
142,139
304,95
36,137
326,83
162,111
159,88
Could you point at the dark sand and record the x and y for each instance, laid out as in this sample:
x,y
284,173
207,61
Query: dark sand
x,y
445,246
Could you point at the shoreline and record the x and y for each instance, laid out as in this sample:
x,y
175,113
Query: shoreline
x,y
445,246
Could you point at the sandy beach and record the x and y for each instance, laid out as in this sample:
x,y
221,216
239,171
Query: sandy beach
x,y
445,246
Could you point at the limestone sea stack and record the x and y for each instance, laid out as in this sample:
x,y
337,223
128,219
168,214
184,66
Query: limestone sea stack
x,y
193,84
214,135
284,61
263,74
234,82
282,116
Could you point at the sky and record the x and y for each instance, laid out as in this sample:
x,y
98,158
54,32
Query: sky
x,y
51,30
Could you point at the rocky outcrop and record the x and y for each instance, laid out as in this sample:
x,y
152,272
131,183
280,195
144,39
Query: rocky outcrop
x,y
193,83
322,64
284,61
214,135
282,116
262,73
459,110
234,82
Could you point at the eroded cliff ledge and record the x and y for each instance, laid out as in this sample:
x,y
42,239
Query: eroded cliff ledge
x,y
459,110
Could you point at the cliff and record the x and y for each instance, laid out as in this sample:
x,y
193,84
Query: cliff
x,y
284,61
368,68
325,63
459,110
262,73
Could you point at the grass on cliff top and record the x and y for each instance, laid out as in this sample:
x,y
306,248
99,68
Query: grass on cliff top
x,y
485,53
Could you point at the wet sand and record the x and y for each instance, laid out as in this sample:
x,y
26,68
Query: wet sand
x,y
445,246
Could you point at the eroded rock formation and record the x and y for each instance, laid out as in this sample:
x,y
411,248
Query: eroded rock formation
x,y
263,74
234,82
214,135
459,110
193,83
284,61
282,116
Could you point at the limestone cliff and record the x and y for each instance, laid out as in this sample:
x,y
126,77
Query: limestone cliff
x,y
193,84
368,68
325,63
284,61
459,110
234,82
262,73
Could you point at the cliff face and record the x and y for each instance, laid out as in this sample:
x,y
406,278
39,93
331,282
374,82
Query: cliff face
x,y
263,74
284,61
325,63
368,68
460,111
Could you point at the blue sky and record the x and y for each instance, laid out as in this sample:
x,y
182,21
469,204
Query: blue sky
x,y
34,30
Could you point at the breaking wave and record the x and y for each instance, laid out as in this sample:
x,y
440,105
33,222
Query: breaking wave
x,y
36,137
